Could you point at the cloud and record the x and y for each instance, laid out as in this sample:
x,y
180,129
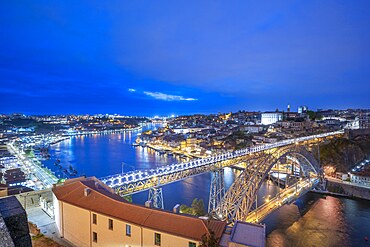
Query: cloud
x,y
131,90
167,97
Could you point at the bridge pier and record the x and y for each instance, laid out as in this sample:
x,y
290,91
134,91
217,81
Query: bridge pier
x,y
156,197
217,191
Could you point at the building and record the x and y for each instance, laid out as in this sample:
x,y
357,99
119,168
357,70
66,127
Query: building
x,y
88,213
253,128
271,117
15,177
362,177
244,234
364,121
302,109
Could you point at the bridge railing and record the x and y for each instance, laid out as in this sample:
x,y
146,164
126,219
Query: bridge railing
x,y
139,175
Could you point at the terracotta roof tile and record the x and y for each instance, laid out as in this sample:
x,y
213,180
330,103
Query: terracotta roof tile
x,y
101,200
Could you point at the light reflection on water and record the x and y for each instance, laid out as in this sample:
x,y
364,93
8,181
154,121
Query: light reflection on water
x,y
311,221
316,220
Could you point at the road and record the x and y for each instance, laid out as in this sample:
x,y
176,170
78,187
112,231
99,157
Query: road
x,y
286,196
46,179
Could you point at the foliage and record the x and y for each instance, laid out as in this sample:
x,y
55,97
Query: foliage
x,y
209,240
314,115
342,153
128,198
197,208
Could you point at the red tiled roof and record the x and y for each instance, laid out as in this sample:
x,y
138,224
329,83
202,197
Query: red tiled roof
x,y
100,200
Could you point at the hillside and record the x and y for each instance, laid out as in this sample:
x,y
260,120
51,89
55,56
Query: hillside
x,y
344,153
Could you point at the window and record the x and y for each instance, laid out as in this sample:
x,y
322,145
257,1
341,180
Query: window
x,y
192,244
157,239
95,237
94,219
110,224
128,230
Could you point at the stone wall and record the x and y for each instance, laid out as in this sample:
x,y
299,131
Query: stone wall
x,y
15,219
348,190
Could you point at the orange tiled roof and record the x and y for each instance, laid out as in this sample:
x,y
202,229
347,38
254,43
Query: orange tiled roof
x,y
100,200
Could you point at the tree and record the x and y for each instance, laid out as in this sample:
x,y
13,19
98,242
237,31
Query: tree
x,y
198,207
128,198
186,210
209,240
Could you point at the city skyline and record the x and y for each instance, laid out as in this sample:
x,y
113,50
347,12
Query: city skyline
x,y
147,58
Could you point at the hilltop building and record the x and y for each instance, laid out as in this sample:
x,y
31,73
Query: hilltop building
x,y
271,117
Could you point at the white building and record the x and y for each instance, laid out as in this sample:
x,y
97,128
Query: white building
x,y
360,178
271,117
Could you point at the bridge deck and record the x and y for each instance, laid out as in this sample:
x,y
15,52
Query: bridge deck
x,y
285,197
135,181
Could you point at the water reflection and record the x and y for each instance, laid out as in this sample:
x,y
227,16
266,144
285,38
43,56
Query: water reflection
x,y
323,221
310,221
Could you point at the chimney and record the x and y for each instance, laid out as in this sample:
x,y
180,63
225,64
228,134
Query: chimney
x,y
87,191
148,204
97,185
176,208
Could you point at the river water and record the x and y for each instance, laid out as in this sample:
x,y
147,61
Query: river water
x,y
313,220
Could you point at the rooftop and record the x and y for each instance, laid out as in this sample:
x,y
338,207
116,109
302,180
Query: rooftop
x,y
102,200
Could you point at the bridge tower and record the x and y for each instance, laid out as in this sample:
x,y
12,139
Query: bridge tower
x,y
217,192
156,197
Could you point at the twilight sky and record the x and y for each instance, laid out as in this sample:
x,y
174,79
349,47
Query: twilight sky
x,y
181,57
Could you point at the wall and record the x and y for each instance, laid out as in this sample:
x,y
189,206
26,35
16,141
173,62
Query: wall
x,y
167,240
76,225
117,236
349,190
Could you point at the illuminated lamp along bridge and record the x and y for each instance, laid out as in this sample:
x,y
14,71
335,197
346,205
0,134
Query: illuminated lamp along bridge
x,y
239,202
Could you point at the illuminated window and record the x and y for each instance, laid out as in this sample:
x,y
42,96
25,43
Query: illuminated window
x,y
110,224
95,237
94,219
128,230
192,244
157,239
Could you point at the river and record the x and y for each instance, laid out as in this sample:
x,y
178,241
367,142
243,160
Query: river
x,y
313,220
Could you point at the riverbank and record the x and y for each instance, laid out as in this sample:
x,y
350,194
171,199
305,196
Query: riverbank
x,y
164,149
94,132
349,190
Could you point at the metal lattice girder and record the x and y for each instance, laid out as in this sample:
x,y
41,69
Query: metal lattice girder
x,y
156,197
240,197
217,191
135,181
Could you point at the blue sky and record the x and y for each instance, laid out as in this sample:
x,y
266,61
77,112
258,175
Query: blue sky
x,y
182,57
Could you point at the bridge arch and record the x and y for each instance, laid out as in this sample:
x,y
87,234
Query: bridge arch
x,y
240,197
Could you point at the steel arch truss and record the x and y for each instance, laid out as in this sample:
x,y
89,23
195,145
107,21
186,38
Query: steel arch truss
x,y
241,196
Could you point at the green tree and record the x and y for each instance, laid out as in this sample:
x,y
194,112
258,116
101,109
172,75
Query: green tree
x,y
186,210
128,198
198,207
